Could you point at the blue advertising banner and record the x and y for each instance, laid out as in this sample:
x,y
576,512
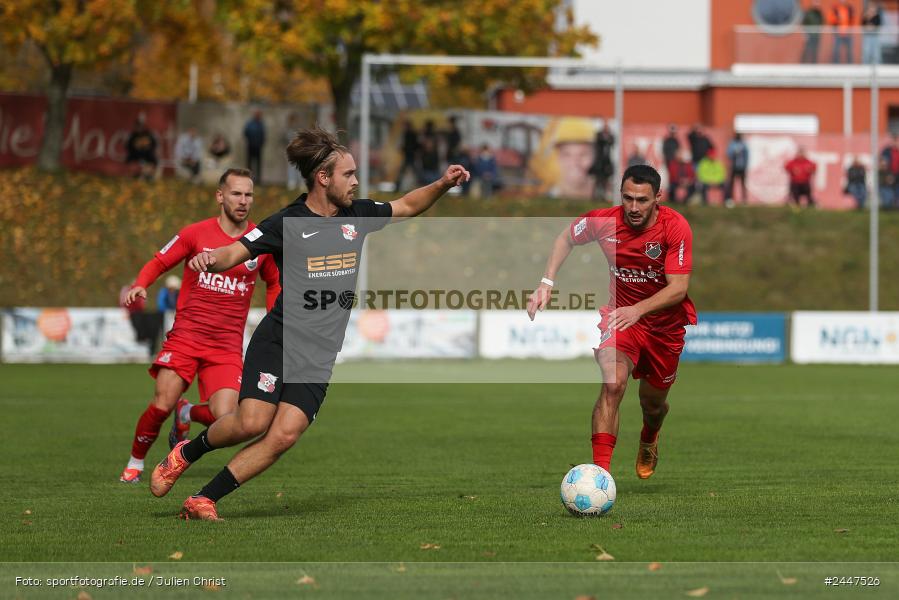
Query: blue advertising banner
x,y
737,337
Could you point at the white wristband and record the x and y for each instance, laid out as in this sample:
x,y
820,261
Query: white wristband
x,y
548,282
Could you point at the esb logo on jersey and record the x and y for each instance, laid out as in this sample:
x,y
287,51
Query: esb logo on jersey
x,y
266,382
349,232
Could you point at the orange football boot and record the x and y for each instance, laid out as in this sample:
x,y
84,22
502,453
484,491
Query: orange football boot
x,y
200,508
647,458
168,471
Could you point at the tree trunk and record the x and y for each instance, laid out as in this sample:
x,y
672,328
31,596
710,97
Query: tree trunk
x,y
50,155
340,92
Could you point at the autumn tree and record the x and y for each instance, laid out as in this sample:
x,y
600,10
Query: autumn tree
x,y
328,38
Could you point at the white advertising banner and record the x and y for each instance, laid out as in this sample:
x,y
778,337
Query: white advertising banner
x,y
410,334
845,337
88,335
552,335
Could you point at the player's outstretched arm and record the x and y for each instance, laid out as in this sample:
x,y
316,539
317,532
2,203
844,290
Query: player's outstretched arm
x,y
560,251
220,259
625,316
419,200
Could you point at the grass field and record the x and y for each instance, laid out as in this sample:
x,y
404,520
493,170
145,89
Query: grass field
x,y
779,465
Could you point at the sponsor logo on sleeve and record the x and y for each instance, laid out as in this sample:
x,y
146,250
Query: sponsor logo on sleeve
x,y
580,226
680,254
169,245
254,235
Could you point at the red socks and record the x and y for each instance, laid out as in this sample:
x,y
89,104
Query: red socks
x,y
147,430
649,434
603,446
200,413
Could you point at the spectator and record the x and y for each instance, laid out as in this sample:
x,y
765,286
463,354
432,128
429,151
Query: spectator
x,y
670,145
871,22
167,298
290,130
738,155
812,20
886,183
189,154
573,140
890,153
219,149
141,150
801,170
700,144
710,174
855,183
841,17
487,172
453,142
147,326
681,178
463,158
430,160
636,157
410,154
602,168
254,134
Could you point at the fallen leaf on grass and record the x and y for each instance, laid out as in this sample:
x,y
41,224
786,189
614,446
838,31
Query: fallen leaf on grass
x,y
654,566
279,494
307,580
27,511
212,587
177,555
583,597
27,522
841,530
400,568
469,497
142,570
617,526
82,595
488,554
602,554
713,495
786,580
698,592
429,546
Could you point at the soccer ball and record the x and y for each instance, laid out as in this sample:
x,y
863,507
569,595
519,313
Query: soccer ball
x,y
588,490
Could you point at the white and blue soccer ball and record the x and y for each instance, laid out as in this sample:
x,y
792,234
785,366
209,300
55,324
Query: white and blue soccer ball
x,y
588,490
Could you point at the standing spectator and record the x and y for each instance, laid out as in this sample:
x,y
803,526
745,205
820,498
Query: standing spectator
x,y
890,154
855,183
871,22
410,154
430,160
189,154
290,131
463,159
681,179
635,157
602,168
670,145
710,174
254,134
885,183
738,155
453,142
167,298
487,171
841,17
700,144
141,150
812,21
801,170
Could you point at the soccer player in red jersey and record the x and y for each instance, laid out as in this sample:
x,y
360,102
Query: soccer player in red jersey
x,y
649,249
206,340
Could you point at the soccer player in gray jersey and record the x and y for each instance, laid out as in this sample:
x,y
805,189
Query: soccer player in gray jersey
x,y
275,412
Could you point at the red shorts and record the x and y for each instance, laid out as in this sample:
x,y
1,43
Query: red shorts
x,y
214,369
655,354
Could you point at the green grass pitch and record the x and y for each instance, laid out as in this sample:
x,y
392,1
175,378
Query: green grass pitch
x,y
762,468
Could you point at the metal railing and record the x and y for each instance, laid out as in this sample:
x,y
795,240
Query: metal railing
x,y
815,45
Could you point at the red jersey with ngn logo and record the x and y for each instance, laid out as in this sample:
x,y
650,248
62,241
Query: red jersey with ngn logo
x,y
212,307
640,259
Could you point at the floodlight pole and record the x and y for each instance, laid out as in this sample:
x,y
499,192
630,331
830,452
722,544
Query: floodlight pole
x,y
619,133
874,210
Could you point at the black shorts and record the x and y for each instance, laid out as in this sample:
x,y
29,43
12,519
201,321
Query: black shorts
x,y
263,370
